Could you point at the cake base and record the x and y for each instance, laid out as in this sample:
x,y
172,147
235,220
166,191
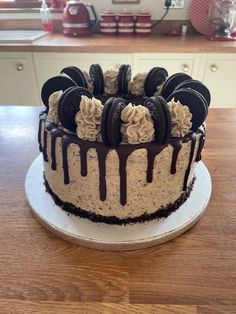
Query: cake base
x,y
115,237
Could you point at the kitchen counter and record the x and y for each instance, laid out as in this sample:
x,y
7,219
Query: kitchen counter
x,y
41,273
117,44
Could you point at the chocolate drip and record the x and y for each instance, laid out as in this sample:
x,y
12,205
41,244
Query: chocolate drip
x,y
201,144
176,144
55,133
200,148
66,140
83,160
45,143
193,143
84,147
151,158
41,120
123,156
102,155
48,127
123,152
152,152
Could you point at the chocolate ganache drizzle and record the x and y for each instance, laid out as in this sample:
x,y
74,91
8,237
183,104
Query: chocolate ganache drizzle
x,y
202,139
42,117
123,151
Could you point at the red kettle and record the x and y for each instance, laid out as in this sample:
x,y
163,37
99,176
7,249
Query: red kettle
x,y
76,19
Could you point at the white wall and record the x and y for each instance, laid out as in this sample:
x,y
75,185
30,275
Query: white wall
x,y
155,7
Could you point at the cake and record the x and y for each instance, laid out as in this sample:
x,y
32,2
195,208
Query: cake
x,y
117,150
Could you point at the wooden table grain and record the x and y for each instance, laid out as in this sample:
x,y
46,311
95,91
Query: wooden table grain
x,y
40,273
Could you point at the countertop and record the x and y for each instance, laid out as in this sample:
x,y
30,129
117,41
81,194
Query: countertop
x,y
41,273
118,44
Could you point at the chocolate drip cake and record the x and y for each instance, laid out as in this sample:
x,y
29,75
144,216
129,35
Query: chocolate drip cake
x,y
121,151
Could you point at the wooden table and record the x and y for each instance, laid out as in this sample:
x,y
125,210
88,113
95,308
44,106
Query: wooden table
x,y
40,273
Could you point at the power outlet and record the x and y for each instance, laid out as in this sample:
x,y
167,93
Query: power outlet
x,y
175,4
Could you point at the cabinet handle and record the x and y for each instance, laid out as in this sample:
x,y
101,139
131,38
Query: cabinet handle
x,y
214,68
185,67
20,67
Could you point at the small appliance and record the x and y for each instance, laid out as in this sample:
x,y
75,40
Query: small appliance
x,y
222,20
78,18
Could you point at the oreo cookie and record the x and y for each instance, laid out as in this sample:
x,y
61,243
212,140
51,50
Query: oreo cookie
x,y
124,77
55,84
154,78
111,121
198,86
195,102
76,75
97,77
63,95
171,83
160,115
69,105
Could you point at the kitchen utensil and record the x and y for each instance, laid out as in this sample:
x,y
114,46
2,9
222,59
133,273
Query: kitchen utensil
x,y
76,18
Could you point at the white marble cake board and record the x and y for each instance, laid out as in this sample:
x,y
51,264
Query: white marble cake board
x,y
102,236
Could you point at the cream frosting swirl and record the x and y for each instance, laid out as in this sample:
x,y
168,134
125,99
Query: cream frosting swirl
x,y
53,107
111,82
180,119
88,119
159,90
89,81
137,126
136,87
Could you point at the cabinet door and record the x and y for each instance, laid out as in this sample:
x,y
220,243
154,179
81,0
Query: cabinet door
x,y
17,80
219,77
172,62
50,64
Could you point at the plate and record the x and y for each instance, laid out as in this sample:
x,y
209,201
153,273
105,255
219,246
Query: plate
x,y
115,237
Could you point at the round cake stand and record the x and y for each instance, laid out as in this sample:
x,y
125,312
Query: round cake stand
x,y
115,237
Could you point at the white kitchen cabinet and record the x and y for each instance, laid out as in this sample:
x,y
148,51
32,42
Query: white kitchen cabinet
x,y
172,62
50,64
219,75
217,71
17,79
23,74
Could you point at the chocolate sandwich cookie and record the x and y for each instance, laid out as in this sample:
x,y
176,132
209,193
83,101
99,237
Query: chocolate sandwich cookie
x,y
63,95
69,105
111,121
76,75
154,78
171,83
195,102
160,115
198,86
55,84
97,77
124,77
